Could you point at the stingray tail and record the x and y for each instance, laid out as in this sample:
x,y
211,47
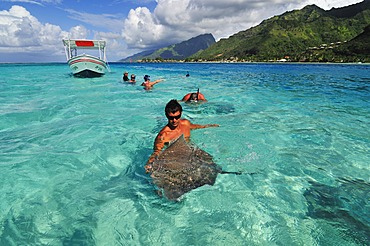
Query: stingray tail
x,y
236,173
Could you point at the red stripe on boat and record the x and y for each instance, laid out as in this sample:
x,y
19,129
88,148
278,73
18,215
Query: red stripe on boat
x,y
84,43
87,60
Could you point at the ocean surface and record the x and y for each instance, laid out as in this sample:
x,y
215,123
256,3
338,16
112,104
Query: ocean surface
x,y
72,152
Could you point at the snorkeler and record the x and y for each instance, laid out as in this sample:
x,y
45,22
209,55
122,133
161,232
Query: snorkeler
x,y
194,97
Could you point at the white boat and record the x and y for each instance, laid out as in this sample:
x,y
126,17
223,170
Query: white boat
x,y
86,65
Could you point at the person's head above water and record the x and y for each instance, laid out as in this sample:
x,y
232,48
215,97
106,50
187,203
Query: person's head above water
x,y
172,107
146,77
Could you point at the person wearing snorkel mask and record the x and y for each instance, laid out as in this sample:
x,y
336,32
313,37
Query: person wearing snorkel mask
x,y
194,97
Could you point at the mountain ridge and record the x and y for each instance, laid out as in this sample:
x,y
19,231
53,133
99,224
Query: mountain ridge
x,y
177,51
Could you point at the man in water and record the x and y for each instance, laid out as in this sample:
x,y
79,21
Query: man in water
x,y
173,130
147,84
133,78
125,76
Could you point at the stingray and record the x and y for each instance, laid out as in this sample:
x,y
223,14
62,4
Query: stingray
x,y
345,206
183,167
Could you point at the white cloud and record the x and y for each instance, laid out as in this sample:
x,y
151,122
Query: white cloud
x,y
16,27
20,32
141,29
78,32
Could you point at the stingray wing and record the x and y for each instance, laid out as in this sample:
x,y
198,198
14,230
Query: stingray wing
x,y
181,168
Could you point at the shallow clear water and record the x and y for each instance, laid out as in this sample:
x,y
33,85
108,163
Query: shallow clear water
x,y
73,151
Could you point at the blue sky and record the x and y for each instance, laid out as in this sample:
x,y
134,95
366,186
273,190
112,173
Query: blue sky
x,y
32,30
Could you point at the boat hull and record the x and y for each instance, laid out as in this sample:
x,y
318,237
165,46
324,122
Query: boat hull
x,y
87,66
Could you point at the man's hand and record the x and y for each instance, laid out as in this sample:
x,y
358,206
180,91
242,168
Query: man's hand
x,y
212,125
148,168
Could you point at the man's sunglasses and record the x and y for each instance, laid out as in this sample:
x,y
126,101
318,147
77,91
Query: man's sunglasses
x,y
174,117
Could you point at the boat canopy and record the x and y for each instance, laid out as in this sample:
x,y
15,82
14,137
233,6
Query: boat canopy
x,y
84,44
72,45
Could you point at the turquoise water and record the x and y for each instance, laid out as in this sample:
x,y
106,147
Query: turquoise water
x,y
73,151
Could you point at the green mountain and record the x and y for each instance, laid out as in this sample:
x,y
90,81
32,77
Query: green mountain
x,y
360,45
137,56
309,34
178,51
